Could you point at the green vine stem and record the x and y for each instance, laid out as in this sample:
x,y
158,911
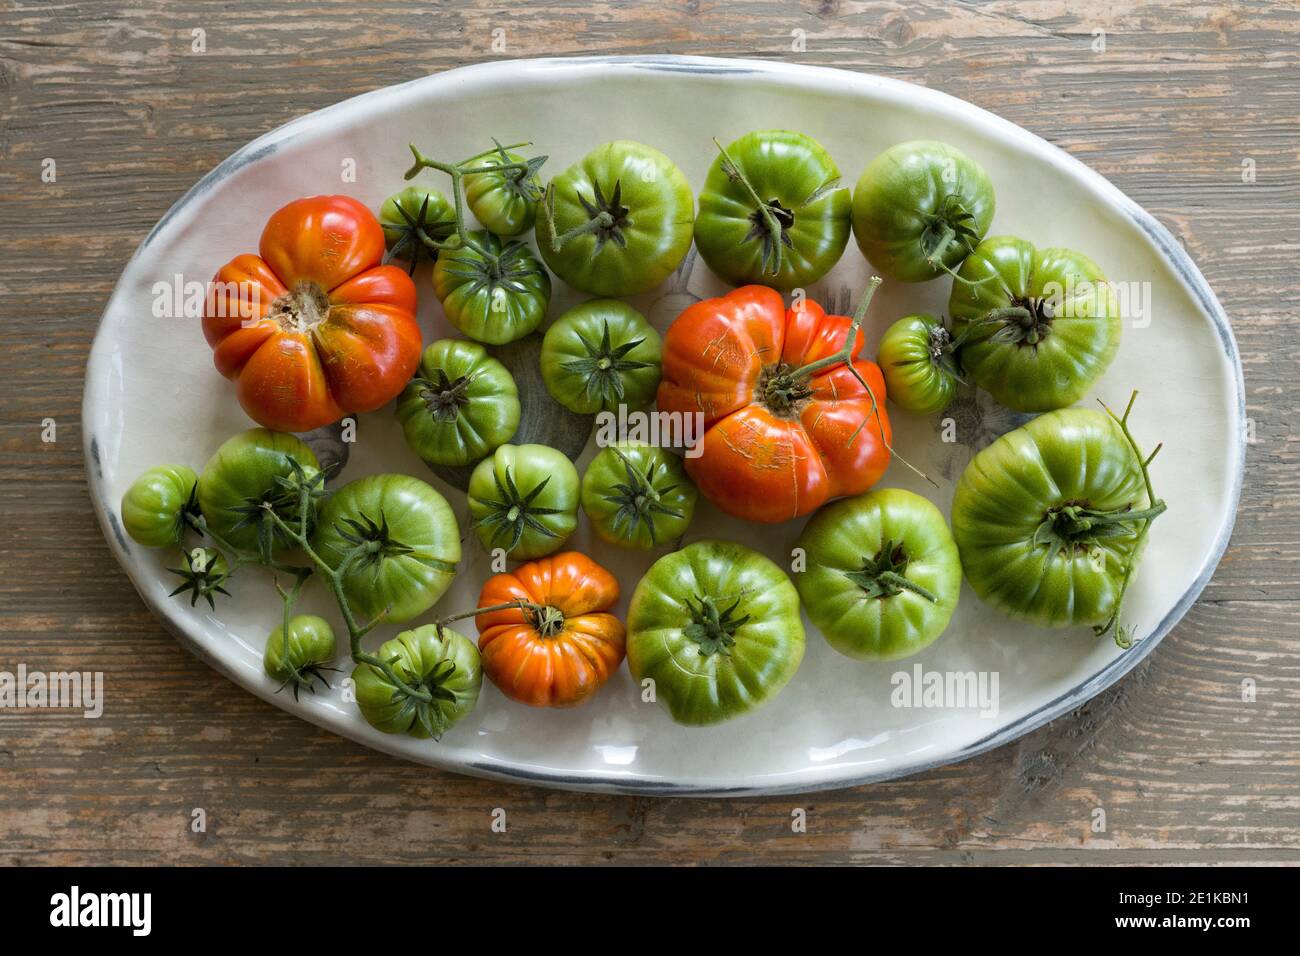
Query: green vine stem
x,y
458,172
771,224
1124,635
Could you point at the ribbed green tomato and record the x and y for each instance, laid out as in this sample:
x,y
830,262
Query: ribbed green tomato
x,y
920,208
788,226
496,293
503,202
298,662
243,475
432,658
411,219
623,216
600,355
408,539
460,406
524,499
917,359
154,507
1039,326
638,496
1048,517
716,627
882,574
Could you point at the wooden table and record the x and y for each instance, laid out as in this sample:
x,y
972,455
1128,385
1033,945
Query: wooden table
x,y
1169,101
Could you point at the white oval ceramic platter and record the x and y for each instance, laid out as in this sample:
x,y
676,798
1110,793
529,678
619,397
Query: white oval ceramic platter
x,y
153,396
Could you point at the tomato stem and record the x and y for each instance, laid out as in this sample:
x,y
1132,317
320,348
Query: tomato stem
x,y
771,222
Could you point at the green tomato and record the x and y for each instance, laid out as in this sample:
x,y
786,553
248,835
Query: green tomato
x,y
1047,518
622,220
408,539
917,359
495,294
524,499
460,406
716,626
772,211
203,572
1038,326
300,660
430,658
413,218
638,496
504,202
882,575
920,208
600,355
248,471
155,506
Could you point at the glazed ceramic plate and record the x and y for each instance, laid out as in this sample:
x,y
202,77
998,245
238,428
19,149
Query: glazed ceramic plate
x,y
153,396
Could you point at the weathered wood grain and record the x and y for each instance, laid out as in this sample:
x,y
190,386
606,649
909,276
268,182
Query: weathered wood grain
x,y
1184,770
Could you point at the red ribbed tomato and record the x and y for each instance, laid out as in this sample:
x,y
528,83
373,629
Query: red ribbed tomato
x,y
313,327
787,427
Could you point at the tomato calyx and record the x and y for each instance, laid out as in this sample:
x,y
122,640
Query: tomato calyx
x,y
512,513
606,218
770,221
546,620
372,541
639,500
712,629
301,308
1074,527
203,575
422,707
884,575
1026,322
604,366
520,181
283,502
444,396
417,237
500,271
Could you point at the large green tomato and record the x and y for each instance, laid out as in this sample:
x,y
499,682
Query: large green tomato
x,y
716,626
299,661
623,216
918,360
1038,326
920,208
882,575
600,355
772,211
524,499
1047,518
411,220
460,406
638,495
430,658
504,202
154,507
246,472
405,542
495,293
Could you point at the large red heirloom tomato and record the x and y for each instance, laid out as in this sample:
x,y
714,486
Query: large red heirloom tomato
x,y
787,427
313,327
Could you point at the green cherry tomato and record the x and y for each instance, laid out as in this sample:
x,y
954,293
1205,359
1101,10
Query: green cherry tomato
x,y
411,220
600,355
917,358
716,626
524,500
154,507
920,208
405,540
203,573
300,660
496,293
504,202
882,574
1038,326
622,220
638,496
1047,518
246,472
431,658
772,211
460,406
